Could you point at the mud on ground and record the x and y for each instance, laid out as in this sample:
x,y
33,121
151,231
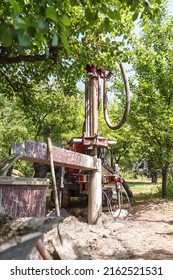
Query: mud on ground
x,y
147,233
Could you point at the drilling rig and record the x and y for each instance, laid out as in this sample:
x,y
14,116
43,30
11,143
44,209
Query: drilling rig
x,y
82,171
73,183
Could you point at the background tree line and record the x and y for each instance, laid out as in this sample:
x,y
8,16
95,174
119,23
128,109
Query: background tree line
x,y
43,52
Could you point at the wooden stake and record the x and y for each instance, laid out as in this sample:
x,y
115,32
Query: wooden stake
x,y
49,143
95,196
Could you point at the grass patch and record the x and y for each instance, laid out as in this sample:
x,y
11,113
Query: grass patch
x,y
144,191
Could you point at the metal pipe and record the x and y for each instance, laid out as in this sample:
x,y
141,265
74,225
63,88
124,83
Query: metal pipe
x,y
77,140
87,107
127,106
91,108
94,93
42,250
111,143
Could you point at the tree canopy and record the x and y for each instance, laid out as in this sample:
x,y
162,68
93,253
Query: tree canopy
x,y
48,43
152,102
58,38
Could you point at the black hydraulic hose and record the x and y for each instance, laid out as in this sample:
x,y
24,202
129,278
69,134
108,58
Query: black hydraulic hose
x,y
127,106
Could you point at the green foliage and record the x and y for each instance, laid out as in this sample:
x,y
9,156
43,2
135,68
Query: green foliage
x,y
61,15
49,113
63,35
42,41
152,103
169,188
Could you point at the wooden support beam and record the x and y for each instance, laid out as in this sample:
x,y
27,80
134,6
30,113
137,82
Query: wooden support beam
x,y
95,196
38,152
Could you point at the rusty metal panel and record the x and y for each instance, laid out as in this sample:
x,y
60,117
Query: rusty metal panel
x,y
19,199
37,152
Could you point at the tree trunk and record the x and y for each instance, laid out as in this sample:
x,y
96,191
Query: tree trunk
x,y
126,187
164,180
154,178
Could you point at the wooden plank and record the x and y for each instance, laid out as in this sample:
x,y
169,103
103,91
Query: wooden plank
x,y
38,152
9,181
19,235
23,201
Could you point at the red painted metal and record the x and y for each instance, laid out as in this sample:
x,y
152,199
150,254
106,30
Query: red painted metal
x,y
97,141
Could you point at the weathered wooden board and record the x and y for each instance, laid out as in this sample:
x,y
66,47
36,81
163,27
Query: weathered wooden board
x,y
37,152
22,197
19,235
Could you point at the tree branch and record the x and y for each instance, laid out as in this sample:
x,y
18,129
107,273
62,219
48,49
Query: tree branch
x,y
23,58
6,59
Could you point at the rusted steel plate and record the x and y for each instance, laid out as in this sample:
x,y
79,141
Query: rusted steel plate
x,y
37,152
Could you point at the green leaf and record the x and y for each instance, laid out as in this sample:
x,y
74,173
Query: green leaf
x,y
42,25
107,40
66,20
65,42
5,36
15,6
134,6
42,11
114,15
55,40
88,14
24,39
91,15
135,16
107,22
51,13
73,2
19,23
83,2
31,31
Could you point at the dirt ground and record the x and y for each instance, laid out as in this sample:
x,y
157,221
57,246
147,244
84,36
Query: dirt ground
x,y
146,233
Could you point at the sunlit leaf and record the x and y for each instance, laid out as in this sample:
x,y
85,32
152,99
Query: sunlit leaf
x,y
51,13
55,40
66,20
